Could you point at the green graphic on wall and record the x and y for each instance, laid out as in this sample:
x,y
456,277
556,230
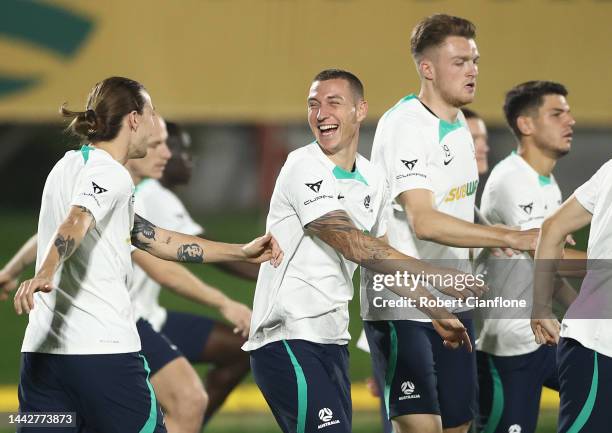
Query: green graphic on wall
x,y
52,28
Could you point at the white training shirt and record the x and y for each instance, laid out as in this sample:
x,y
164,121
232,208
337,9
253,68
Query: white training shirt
x,y
164,209
587,319
89,310
307,296
517,196
417,150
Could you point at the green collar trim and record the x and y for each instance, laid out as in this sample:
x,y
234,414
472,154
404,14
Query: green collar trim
x,y
445,128
85,152
141,183
340,173
544,180
401,101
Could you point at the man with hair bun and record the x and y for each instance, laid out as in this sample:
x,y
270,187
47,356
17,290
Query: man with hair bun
x,y
423,146
80,350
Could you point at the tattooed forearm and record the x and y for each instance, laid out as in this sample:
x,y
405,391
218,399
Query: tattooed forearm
x,y
143,233
337,230
84,210
64,246
190,253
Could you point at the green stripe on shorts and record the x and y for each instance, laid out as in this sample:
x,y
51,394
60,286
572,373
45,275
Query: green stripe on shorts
x,y
149,426
302,387
497,405
585,413
392,364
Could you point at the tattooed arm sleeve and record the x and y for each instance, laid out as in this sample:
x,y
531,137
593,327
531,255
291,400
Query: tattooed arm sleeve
x,y
338,231
66,239
180,247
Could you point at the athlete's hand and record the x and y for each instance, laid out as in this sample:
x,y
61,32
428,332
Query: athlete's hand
x,y
453,333
238,315
546,331
523,240
509,252
262,249
24,298
8,283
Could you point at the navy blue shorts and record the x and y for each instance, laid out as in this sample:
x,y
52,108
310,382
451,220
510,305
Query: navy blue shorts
x,y
306,385
511,387
421,375
182,335
189,332
585,379
108,393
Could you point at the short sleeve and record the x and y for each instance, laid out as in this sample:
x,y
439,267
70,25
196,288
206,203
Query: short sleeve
x,y
407,161
99,187
586,194
310,189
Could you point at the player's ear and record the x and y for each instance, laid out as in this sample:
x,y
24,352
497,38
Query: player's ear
x,y
426,69
362,110
133,120
525,125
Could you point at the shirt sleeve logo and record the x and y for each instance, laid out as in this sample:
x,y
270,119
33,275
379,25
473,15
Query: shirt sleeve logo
x,y
315,186
527,208
97,189
409,164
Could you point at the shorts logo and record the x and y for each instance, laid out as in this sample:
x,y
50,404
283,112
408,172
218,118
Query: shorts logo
x,y
366,202
326,416
527,208
409,164
408,390
315,186
514,428
97,189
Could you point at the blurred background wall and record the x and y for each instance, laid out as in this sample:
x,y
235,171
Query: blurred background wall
x,y
236,73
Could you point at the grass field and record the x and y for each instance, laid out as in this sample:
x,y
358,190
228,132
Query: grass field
x,y
15,227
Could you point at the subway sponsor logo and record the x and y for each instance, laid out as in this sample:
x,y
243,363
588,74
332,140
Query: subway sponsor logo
x,y
463,191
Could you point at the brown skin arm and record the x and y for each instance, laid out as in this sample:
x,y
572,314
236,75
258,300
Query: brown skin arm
x,y
181,281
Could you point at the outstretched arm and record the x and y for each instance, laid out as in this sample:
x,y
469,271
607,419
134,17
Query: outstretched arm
x,y
570,217
181,281
11,271
338,231
66,240
430,224
179,247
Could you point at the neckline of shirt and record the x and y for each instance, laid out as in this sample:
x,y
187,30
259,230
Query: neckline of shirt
x,y
337,171
542,180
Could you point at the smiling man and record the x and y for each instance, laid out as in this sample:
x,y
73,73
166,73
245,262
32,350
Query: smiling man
x,y
426,150
326,198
